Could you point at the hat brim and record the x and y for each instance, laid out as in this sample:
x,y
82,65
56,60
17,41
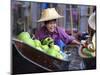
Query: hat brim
x,y
48,19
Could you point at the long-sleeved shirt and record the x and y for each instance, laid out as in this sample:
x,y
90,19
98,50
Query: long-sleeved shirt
x,y
58,34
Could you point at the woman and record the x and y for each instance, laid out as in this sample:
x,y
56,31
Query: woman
x,y
50,29
91,62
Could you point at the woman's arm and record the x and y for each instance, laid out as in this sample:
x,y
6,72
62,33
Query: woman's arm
x,y
75,42
67,38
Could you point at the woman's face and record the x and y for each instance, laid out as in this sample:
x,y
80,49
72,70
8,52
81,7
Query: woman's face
x,y
51,25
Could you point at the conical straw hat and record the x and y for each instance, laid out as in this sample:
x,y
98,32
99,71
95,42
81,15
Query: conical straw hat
x,y
91,21
49,14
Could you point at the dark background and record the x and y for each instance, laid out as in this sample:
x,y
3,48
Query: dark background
x,y
23,66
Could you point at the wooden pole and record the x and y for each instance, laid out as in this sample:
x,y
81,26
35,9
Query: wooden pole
x,y
24,26
91,10
30,15
71,19
78,17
